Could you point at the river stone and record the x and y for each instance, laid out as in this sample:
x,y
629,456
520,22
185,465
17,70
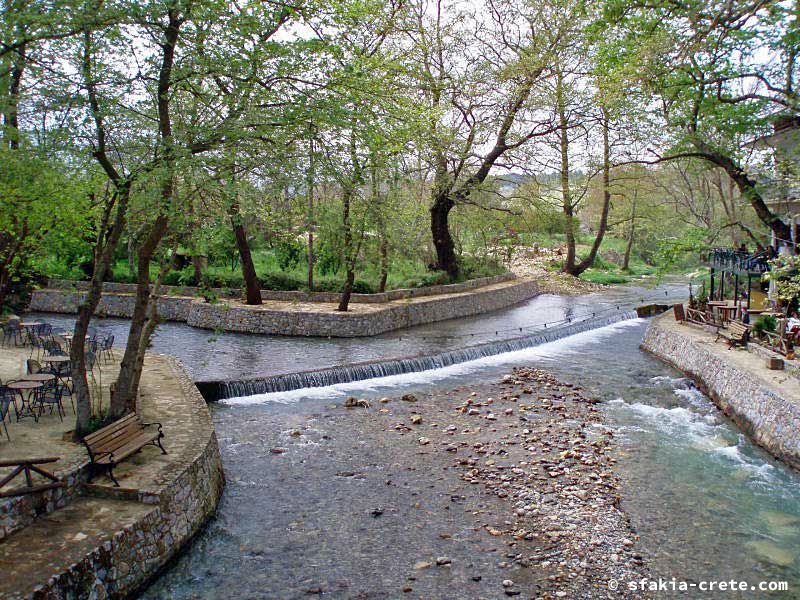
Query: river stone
x,y
775,518
772,553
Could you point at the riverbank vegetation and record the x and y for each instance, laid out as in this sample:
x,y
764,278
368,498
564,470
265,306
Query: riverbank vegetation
x,y
362,145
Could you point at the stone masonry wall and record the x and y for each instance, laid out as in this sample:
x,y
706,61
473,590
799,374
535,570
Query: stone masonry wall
x,y
770,419
182,500
248,319
234,316
134,555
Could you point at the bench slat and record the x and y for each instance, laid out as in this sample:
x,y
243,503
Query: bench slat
x,y
123,452
110,430
112,444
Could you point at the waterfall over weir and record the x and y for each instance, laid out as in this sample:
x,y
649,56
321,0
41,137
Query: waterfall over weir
x,y
218,390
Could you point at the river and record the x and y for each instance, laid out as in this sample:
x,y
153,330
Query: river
x,y
707,503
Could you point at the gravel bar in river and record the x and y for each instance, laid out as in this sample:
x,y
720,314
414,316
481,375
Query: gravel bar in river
x,y
500,489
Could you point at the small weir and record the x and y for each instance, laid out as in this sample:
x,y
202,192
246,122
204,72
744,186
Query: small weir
x,y
218,390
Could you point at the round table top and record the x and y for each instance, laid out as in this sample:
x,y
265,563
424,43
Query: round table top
x,y
55,359
24,385
39,377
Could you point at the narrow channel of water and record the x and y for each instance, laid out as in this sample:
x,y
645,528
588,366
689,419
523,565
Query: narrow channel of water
x,y
231,356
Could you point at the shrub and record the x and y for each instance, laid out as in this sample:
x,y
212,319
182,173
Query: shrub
x,y
280,282
288,254
765,323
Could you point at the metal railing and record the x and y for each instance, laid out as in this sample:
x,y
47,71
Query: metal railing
x,y
736,261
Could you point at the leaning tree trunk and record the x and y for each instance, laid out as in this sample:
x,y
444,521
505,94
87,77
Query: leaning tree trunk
x,y
747,187
123,401
249,275
603,225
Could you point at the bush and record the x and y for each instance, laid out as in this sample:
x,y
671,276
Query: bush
x,y
222,279
288,254
765,323
475,268
427,279
335,285
179,278
284,282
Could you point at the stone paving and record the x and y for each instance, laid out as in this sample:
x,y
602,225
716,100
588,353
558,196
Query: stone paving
x,y
61,538
97,540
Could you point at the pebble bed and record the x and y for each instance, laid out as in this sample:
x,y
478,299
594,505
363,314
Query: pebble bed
x,y
500,489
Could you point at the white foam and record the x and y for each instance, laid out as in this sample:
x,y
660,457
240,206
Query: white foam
x,y
561,347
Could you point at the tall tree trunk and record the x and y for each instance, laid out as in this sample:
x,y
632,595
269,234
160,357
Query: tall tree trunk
x,y
567,205
11,112
107,242
344,300
249,275
440,231
310,217
631,232
127,388
603,225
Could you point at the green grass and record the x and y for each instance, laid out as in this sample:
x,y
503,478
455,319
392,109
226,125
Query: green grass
x,y
403,273
604,277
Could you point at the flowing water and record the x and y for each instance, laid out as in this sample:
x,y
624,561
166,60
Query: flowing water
x,y
707,503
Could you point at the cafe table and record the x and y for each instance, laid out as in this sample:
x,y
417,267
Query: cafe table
x,y
25,389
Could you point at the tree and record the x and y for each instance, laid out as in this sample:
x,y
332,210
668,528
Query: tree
x,y
477,78
713,73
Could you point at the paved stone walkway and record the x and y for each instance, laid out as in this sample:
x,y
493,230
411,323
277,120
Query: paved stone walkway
x,y
58,539
780,381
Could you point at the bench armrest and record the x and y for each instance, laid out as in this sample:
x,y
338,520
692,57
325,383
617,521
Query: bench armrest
x,y
153,423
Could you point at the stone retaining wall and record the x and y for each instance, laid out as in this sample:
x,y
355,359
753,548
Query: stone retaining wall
x,y
247,319
20,511
768,417
134,555
322,321
183,498
294,296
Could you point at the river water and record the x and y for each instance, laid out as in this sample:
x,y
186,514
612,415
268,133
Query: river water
x,y
707,503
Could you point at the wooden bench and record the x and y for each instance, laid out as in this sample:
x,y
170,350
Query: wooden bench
x,y
113,443
736,333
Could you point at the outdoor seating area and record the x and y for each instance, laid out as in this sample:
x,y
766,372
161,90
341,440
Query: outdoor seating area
x,y
734,324
36,394
41,385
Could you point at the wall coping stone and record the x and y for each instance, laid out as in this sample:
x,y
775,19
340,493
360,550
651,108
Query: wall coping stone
x,y
311,319
289,296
